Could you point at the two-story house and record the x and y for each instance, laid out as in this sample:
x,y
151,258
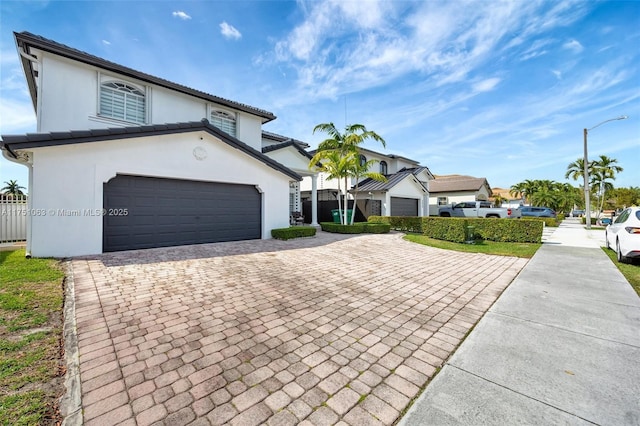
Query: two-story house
x,y
405,193
125,160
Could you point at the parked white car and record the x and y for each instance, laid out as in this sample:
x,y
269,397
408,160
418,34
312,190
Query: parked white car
x,y
623,235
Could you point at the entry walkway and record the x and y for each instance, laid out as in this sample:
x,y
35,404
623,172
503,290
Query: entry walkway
x,y
560,346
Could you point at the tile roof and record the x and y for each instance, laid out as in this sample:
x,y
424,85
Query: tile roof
x,y
286,144
392,180
38,140
455,183
280,138
26,39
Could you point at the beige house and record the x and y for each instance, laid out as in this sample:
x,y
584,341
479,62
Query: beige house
x,y
450,189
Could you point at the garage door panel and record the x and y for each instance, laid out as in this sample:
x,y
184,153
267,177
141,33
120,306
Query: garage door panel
x,y
404,206
167,212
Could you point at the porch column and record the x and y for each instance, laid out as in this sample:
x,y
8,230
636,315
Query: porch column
x,y
314,200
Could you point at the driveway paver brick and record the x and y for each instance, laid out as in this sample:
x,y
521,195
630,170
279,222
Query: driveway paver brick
x,y
333,329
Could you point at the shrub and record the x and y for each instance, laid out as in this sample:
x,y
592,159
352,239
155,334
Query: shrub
x,y
548,221
400,223
502,230
293,232
356,228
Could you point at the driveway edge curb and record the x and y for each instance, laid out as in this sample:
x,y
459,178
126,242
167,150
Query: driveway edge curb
x,y
71,402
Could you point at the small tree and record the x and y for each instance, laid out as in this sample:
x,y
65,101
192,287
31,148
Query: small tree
x,y
346,154
12,188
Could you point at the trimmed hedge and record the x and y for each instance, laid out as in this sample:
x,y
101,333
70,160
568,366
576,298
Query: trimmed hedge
x,y
455,229
400,223
356,228
293,232
548,221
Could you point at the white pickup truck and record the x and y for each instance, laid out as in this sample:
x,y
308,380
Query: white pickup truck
x,y
479,209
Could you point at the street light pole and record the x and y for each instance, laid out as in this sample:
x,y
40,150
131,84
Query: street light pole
x,y
585,173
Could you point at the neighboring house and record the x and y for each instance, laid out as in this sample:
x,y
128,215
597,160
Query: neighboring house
x,y
450,189
508,200
104,145
404,194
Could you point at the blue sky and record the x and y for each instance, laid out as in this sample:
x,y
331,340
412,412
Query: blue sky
x,y
495,89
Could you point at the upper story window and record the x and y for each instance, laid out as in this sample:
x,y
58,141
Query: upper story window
x,y
224,121
363,160
123,102
383,168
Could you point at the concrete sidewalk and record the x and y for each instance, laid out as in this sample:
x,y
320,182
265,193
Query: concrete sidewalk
x,y
560,346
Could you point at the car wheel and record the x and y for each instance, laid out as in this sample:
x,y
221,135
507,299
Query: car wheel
x,y
619,256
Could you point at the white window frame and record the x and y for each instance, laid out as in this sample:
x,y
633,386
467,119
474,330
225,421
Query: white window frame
x,y
143,93
443,201
230,116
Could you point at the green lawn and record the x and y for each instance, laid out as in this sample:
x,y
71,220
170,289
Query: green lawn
x,y
526,250
631,271
31,300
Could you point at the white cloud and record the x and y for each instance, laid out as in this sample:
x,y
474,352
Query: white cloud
x,y
16,116
229,31
106,42
573,45
486,85
344,47
182,15
557,73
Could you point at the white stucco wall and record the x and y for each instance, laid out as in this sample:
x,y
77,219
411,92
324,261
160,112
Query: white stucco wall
x,y
70,178
68,100
293,160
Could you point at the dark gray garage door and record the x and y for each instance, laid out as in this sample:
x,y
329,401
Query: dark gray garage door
x,y
404,206
170,212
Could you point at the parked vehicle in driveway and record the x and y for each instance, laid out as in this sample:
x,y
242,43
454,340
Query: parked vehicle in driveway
x,y
623,235
537,211
478,209
577,213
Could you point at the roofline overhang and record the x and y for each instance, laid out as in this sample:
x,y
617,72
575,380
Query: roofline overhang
x,y
26,40
11,143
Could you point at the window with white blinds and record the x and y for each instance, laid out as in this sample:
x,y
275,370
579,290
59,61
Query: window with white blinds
x,y
123,102
224,121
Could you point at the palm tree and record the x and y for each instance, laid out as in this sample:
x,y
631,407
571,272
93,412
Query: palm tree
x,y
575,170
346,146
335,166
12,188
498,200
361,169
602,170
524,189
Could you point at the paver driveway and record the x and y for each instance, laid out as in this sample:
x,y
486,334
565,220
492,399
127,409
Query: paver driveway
x,y
324,330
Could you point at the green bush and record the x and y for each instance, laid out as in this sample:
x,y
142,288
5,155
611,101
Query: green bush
x,y
356,228
449,229
584,220
293,232
548,221
400,223
501,230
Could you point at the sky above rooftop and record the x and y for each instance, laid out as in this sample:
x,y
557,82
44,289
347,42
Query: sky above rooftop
x,y
495,89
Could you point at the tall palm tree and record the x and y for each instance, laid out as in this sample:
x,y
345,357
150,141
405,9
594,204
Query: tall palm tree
x,y
346,145
12,188
335,166
602,170
524,189
575,170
